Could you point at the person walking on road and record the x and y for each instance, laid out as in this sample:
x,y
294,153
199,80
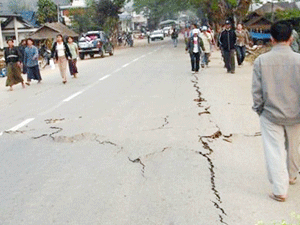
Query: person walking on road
x,y
148,36
207,41
22,47
295,43
276,97
73,61
31,56
195,47
174,37
13,60
61,52
242,40
227,42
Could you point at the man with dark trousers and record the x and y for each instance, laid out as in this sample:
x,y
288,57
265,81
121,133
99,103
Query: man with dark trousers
x,y
195,47
227,42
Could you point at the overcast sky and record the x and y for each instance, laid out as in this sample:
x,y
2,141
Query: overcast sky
x,y
30,3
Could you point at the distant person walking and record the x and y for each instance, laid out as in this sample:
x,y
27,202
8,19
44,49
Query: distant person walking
x,y
242,40
207,41
61,52
276,96
174,37
186,34
295,43
13,60
31,61
195,47
227,42
22,47
73,61
148,36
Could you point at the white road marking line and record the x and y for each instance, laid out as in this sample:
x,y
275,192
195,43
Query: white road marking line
x,y
117,70
1,133
127,64
105,77
135,59
143,56
15,128
72,96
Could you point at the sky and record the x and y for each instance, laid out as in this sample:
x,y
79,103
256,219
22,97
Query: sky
x,y
31,3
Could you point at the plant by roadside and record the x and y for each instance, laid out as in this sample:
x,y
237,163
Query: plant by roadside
x,y
254,53
295,220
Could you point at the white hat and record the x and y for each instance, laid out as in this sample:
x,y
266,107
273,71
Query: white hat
x,y
204,28
196,31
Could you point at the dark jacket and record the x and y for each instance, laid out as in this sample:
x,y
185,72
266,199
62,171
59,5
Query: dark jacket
x,y
54,51
22,50
174,35
12,55
190,45
228,40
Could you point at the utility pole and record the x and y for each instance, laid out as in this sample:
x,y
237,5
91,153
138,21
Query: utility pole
x,y
272,18
57,12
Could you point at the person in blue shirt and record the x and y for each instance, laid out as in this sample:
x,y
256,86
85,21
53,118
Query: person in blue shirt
x,y
31,60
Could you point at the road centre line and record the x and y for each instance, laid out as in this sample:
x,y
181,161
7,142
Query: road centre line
x,y
105,77
117,70
25,122
125,65
73,96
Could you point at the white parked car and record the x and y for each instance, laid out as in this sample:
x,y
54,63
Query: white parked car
x,y
167,31
157,34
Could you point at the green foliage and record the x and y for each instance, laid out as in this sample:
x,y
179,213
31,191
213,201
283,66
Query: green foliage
x,y
83,20
288,14
47,11
102,15
157,10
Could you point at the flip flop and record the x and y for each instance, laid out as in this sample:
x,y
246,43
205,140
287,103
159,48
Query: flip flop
x,y
293,181
279,198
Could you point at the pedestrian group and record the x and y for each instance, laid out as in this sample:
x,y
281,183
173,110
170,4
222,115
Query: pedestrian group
x,y
25,59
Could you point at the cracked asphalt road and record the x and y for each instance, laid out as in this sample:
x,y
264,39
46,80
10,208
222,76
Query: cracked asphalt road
x,y
135,140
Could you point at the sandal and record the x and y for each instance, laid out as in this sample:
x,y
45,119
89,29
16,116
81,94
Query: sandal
x,y
293,181
279,198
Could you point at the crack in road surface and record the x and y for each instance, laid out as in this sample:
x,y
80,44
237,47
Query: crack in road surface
x,y
54,120
207,155
166,122
75,138
139,160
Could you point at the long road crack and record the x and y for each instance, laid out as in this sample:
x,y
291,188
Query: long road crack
x,y
204,140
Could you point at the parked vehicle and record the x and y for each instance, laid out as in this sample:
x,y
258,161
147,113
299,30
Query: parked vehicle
x,y
157,34
167,31
94,42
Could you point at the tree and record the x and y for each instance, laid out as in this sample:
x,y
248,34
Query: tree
x,y
157,10
219,10
47,11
